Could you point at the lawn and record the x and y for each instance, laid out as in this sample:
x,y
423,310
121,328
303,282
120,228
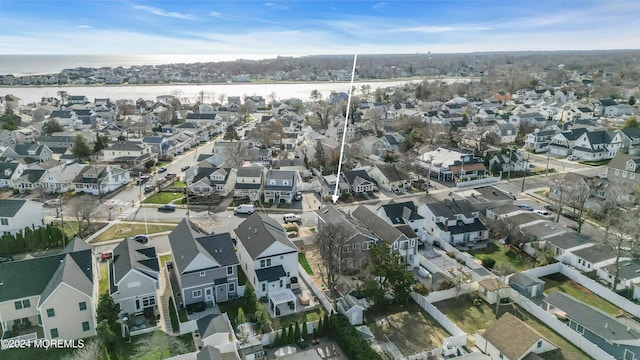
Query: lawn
x,y
163,197
595,163
559,282
128,349
311,315
504,255
125,230
35,354
178,184
104,277
410,328
164,259
302,259
472,316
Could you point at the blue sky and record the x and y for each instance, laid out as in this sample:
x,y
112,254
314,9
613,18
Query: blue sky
x,y
258,29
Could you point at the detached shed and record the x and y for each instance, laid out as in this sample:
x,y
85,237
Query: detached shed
x,y
489,290
352,308
526,285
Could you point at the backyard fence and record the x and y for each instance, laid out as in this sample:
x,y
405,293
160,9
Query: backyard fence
x,y
458,338
315,290
465,288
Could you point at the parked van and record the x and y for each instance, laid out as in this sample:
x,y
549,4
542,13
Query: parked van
x,y
290,218
244,209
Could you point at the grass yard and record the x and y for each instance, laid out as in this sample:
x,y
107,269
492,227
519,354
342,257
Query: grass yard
x,y
504,255
164,259
472,316
125,230
410,328
302,259
104,277
310,315
35,354
162,198
595,163
559,282
178,184
159,352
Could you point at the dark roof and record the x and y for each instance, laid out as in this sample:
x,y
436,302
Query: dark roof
x,y
249,171
629,269
382,229
193,116
393,172
355,232
599,323
23,149
632,133
7,169
573,134
213,324
188,241
24,278
271,274
60,114
511,336
524,280
69,272
259,231
449,209
352,175
132,255
620,161
33,175
462,227
397,212
608,102
126,146
568,240
56,139
10,207
600,137
406,230
281,174
596,253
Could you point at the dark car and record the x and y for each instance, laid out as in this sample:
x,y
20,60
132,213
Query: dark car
x,y
167,208
571,216
162,169
550,207
185,167
141,238
572,227
149,188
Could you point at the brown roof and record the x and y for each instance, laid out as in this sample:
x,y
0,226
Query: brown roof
x,y
467,167
511,336
492,284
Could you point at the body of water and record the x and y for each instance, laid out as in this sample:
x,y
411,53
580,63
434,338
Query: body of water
x,y
192,92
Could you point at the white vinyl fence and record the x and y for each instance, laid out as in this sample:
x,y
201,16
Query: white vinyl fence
x,y
314,289
458,338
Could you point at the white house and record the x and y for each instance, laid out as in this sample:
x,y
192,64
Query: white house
x,y
453,221
597,145
17,214
628,274
390,177
59,179
269,259
100,180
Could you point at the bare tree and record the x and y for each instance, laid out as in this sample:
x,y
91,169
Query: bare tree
x,y
92,350
337,259
558,191
626,229
84,210
578,193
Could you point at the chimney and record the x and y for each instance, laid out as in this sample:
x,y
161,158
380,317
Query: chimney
x,y
446,224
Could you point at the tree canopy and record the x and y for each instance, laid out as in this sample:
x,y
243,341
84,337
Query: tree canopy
x,y
81,149
631,122
389,281
52,126
231,133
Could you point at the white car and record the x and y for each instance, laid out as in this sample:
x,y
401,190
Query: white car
x,y
543,213
572,158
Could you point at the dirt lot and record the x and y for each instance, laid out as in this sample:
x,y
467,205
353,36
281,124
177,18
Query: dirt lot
x,y
409,328
312,253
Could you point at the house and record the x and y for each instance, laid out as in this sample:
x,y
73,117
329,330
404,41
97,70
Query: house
x,y
630,138
628,274
269,259
249,182
565,243
490,290
133,278
359,181
509,161
624,171
59,179
538,141
509,338
210,180
390,177
100,180
205,265
18,214
29,180
216,330
563,142
395,239
51,294
352,308
507,133
526,285
33,152
592,257
597,145
9,171
280,186
619,338
455,222
402,213
128,152
451,165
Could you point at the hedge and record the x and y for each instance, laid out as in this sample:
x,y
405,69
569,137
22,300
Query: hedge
x,y
175,326
354,346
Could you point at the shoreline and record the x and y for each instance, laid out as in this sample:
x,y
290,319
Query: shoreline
x,y
258,82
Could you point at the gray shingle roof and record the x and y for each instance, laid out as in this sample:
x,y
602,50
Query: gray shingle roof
x,y
213,324
511,336
10,207
393,172
397,212
568,240
596,253
524,280
355,232
353,175
271,274
7,169
70,273
258,232
379,227
449,209
130,255
249,171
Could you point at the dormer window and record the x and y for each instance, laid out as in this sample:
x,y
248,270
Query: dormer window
x,y
285,182
272,182
631,166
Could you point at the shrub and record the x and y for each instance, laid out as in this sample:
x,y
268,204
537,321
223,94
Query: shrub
x,y
421,289
175,326
354,346
488,262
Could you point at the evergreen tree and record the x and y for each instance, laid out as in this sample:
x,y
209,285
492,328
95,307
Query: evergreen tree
x,y
296,333
278,339
326,326
320,156
51,126
81,149
231,133
241,318
305,331
249,303
291,335
284,336
319,328
99,144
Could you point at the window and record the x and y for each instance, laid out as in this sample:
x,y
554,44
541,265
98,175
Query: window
x,y
148,301
203,273
22,304
85,326
579,328
617,172
4,221
51,312
264,287
501,356
281,283
196,293
628,355
624,174
82,306
232,287
230,270
539,344
54,333
365,245
265,263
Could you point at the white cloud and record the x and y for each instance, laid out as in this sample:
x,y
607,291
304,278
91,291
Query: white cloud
x,y
161,12
214,14
275,6
84,26
379,5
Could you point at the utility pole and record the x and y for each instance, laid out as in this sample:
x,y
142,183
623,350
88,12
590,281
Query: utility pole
x,y
187,190
429,173
525,173
510,165
548,149
64,243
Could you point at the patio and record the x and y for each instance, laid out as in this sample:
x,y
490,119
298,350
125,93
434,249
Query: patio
x,y
142,321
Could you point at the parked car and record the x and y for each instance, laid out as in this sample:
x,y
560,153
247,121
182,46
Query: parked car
x,y
525,206
544,213
170,175
149,188
184,167
5,259
550,208
290,218
572,158
244,209
572,227
297,197
141,238
167,208
106,255
571,216
52,203
162,169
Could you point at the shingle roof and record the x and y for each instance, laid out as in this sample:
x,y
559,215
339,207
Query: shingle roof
x,y
70,273
462,227
213,324
355,232
249,171
492,284
393,172
397,212
620,162
381,228
511,336
270,274
130,255
449,209
596,253
7,169
524,280
568,240
126,146
353,175
10,207
601,324
258,232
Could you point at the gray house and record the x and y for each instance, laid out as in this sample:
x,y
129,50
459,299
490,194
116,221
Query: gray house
x,y
280,186
205,265
616,336
133,278
526,285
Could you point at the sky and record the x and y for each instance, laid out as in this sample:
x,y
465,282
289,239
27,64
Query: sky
x,y
260,29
